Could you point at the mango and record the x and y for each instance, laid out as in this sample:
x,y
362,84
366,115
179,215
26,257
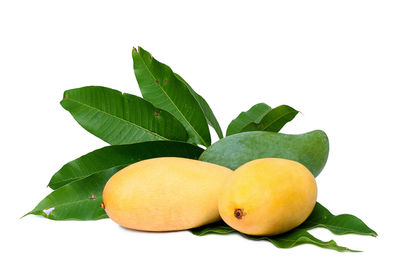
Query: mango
x,y
268,196
165,194
310,149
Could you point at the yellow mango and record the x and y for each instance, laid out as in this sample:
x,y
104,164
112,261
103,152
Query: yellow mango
x,y
268,196
165,194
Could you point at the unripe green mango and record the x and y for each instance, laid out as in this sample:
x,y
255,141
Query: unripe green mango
x,y
310,149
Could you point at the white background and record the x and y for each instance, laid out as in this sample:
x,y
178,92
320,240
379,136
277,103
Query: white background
x,y
338,62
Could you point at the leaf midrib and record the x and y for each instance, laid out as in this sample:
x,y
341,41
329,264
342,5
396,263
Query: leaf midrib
x,y
293,241
113,116
349,230
315,241
83,177
259,118
165,93
61,205
280,117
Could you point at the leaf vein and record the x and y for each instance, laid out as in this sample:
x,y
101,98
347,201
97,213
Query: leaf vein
x,y
171,102
113,116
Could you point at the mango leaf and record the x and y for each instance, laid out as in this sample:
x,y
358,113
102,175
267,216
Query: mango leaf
x,y
340,224
298,237
274,120
219,228
120,118
163,89
287,240
320,217
120,156
208,113
79,200
310,149
253,115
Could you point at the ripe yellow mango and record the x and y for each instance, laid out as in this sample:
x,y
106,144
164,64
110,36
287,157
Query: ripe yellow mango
x,y
268,196
165,194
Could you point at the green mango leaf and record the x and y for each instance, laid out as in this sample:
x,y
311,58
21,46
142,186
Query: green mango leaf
x,y
219,227
340,224
79,200
320,217
310,149
163,89
208,113
120,118
120,156
298,237
253,115
274,120
287,240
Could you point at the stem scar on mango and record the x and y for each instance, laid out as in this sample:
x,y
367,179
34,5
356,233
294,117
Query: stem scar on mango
x,y
239,213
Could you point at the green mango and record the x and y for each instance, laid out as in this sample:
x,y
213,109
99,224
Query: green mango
x,y
310,149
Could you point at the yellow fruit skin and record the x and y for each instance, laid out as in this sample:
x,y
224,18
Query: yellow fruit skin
x,y
165,194
268,197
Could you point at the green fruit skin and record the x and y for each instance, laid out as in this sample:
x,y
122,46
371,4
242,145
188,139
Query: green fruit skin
x,y
310,149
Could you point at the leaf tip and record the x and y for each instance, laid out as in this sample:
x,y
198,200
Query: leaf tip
x,y
65,94
139,50
352,250
51,184
25,215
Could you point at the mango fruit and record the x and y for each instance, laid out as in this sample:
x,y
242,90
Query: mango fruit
x,y
310,149
165,194
268,196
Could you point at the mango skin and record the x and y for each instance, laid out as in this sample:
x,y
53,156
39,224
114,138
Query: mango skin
x,y
268,197
165,194
310,149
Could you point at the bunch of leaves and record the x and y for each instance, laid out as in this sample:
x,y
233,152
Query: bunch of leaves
x,y
170,119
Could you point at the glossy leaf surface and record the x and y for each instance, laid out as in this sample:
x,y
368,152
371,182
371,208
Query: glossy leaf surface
x,y
287,240
339,224
120,156
120,118
207,111
160,86
253,115
274,120
79,200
